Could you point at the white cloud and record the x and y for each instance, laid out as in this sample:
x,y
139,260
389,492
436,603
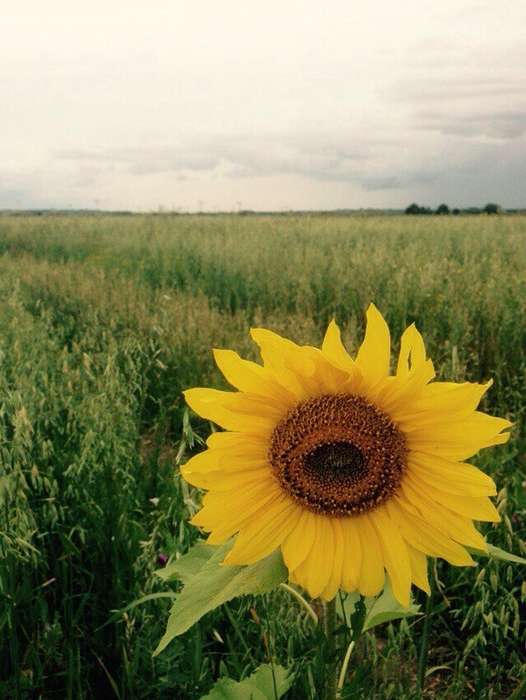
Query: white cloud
x,y
289,102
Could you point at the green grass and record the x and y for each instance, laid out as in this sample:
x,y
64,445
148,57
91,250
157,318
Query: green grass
x,y
104,320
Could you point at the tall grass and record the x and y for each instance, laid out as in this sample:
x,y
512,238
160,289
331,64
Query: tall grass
x,y
103,321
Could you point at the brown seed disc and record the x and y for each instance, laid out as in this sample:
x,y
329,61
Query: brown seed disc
x,y
338,455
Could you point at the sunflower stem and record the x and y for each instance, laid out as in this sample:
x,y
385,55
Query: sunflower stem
x,y
424,643
329,628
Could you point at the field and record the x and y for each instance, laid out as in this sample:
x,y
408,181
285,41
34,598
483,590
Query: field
x,y
104,320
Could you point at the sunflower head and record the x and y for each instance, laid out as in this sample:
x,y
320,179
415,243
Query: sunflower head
x,y
351,471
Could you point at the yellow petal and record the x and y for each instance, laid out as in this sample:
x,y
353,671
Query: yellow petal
x,y
412,351
426,538
314,573
453,450
231,521
374,354
219,509
394,553
372,576
258,539
322,552
298,543
467,506
335,579
334,349
250,377
466,430
413,373
453,477
399,393
352,557
224,480
231,460
241,442
222,407
293,578
418,569
447,398
327,377
274,348
459,528
291,366
255,405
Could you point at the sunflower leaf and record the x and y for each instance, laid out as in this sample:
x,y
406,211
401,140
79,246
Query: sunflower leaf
x,y
258,686
358,618
188,565
384,608
209,583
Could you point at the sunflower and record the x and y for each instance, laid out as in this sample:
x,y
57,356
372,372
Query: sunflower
x,y
352,472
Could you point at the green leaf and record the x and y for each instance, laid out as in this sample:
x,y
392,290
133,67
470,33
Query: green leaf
x,y
188,565
209,583
498,553
384,608
349,606
358,618
258,686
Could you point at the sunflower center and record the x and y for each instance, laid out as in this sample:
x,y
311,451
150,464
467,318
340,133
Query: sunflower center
x,y
340,461
338,454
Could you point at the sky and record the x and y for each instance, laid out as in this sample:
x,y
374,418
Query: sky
x,y
199,104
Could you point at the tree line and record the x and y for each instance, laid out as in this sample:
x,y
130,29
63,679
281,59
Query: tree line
x,y
444,210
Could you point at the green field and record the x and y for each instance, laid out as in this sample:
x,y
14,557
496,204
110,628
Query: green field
x,y
105,319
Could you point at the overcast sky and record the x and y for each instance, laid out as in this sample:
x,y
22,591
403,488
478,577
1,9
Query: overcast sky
x,y
227,104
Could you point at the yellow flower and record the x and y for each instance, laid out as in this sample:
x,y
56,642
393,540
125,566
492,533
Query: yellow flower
x,y
350,471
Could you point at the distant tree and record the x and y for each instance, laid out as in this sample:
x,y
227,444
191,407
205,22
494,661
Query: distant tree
x,y
492,208
456,211
443,209
413,209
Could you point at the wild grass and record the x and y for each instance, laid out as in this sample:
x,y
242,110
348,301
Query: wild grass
x,y
104,320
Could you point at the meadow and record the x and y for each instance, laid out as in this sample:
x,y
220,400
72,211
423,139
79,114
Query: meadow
x,y
104,320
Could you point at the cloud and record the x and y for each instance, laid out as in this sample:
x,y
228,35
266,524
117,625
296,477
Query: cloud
x,y
350,169
498,124
241,156
141,160
370,104
406,162
452,87
469,91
